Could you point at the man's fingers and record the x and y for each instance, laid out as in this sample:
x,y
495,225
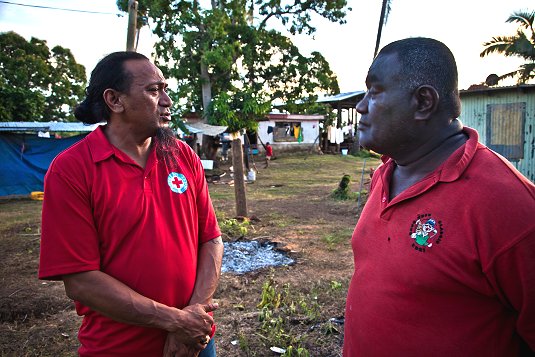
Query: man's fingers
x,y
210,307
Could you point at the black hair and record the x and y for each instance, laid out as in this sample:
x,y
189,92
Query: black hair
x,y
425,61
108,73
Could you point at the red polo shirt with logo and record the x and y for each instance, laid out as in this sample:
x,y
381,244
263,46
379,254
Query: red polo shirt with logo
x,y
143,226
446,268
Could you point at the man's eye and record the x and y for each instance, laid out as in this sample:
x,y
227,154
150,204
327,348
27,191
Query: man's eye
x,y
372,92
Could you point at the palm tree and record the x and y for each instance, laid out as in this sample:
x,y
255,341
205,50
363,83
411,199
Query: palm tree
x,y
385,11
521,44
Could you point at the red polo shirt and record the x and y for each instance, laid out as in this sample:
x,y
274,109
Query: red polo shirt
x,y
142,226
446,268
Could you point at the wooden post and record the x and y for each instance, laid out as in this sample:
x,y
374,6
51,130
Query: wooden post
x,y
239,181
132,24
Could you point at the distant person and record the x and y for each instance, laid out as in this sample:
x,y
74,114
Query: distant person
x,y
269,153
128,224
444,250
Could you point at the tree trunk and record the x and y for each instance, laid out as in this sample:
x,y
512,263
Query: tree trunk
x,y
380,29
239,181
208,142
206,85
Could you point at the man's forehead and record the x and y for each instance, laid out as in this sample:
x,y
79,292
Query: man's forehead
x,y
143,70
383,66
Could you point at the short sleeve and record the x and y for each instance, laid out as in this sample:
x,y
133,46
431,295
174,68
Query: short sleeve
x,y
69,241
513,276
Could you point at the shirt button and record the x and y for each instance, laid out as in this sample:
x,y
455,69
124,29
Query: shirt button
x,y
384,199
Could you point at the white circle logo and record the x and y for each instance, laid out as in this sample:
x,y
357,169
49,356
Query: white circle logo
x,y
177,182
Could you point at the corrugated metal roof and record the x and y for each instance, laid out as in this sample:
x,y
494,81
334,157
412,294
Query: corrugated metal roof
x,y
483,88
192,130
207,129
340,96
46,126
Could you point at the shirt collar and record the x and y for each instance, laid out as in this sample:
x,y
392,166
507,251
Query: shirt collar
x,y
99,146
457,163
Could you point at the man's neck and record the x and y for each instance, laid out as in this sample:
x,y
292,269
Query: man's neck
x,y
411,170
136,148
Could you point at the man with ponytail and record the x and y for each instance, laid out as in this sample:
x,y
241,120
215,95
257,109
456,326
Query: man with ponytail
x,y
128,223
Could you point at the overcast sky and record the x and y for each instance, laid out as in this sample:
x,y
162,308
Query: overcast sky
x,y
463,25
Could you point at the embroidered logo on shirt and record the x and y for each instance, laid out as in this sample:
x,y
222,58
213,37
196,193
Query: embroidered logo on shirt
x,y
177,182
425,232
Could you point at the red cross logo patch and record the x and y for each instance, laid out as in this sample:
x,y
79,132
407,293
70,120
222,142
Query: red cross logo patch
x,y
177,182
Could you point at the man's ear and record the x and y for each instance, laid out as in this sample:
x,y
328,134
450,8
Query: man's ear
x,y
113,100
426,98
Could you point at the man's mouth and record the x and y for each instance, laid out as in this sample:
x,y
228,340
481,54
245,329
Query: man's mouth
x,y
362,125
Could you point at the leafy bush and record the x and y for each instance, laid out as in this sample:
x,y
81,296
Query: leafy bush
x,y
343,192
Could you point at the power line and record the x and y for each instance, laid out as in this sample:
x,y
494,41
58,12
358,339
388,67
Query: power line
x,y
58,8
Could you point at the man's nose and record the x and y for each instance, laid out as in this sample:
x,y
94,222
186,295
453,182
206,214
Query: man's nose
x,y
165,100
362,106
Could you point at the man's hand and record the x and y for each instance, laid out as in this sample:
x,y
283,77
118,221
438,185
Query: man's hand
x,y
196,325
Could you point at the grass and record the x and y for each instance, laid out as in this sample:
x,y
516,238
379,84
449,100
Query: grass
x,y
334,239
295,307
301,174
23,215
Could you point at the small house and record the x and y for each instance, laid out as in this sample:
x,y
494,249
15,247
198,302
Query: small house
x,y
505,120
290,132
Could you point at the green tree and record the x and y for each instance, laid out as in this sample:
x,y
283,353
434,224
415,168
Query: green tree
x,y
521,44
230,67
36,83
227,47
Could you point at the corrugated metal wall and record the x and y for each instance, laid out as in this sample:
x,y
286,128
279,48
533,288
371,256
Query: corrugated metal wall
x,y
475,114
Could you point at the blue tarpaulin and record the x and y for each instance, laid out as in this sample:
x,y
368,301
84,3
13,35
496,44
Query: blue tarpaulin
x,y
24,160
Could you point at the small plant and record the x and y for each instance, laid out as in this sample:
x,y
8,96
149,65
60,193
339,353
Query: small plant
x,y
243,343
270,298
335,285
329,329
296,351
280,309
234,228
343,191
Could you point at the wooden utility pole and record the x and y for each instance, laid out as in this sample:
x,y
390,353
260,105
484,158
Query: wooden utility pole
x,y
239,181
132,25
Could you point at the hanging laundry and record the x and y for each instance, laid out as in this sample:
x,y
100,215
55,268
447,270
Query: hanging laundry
x,y
332,135
269,129
300,137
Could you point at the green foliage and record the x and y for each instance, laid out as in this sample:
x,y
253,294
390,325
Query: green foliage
x,y
296,351
521,44
335,285
237,111
36,83
343,191
278,308
234,228
226,52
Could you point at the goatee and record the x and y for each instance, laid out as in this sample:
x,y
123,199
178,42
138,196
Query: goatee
x,y
167,148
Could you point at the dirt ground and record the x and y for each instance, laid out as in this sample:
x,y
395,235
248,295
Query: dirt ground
x,y
299,308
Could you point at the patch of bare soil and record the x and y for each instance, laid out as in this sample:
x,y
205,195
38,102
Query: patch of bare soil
x,y
299,308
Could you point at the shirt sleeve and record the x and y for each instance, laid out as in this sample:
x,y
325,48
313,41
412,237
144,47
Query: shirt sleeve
x,y
69,241
513,277
208,226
